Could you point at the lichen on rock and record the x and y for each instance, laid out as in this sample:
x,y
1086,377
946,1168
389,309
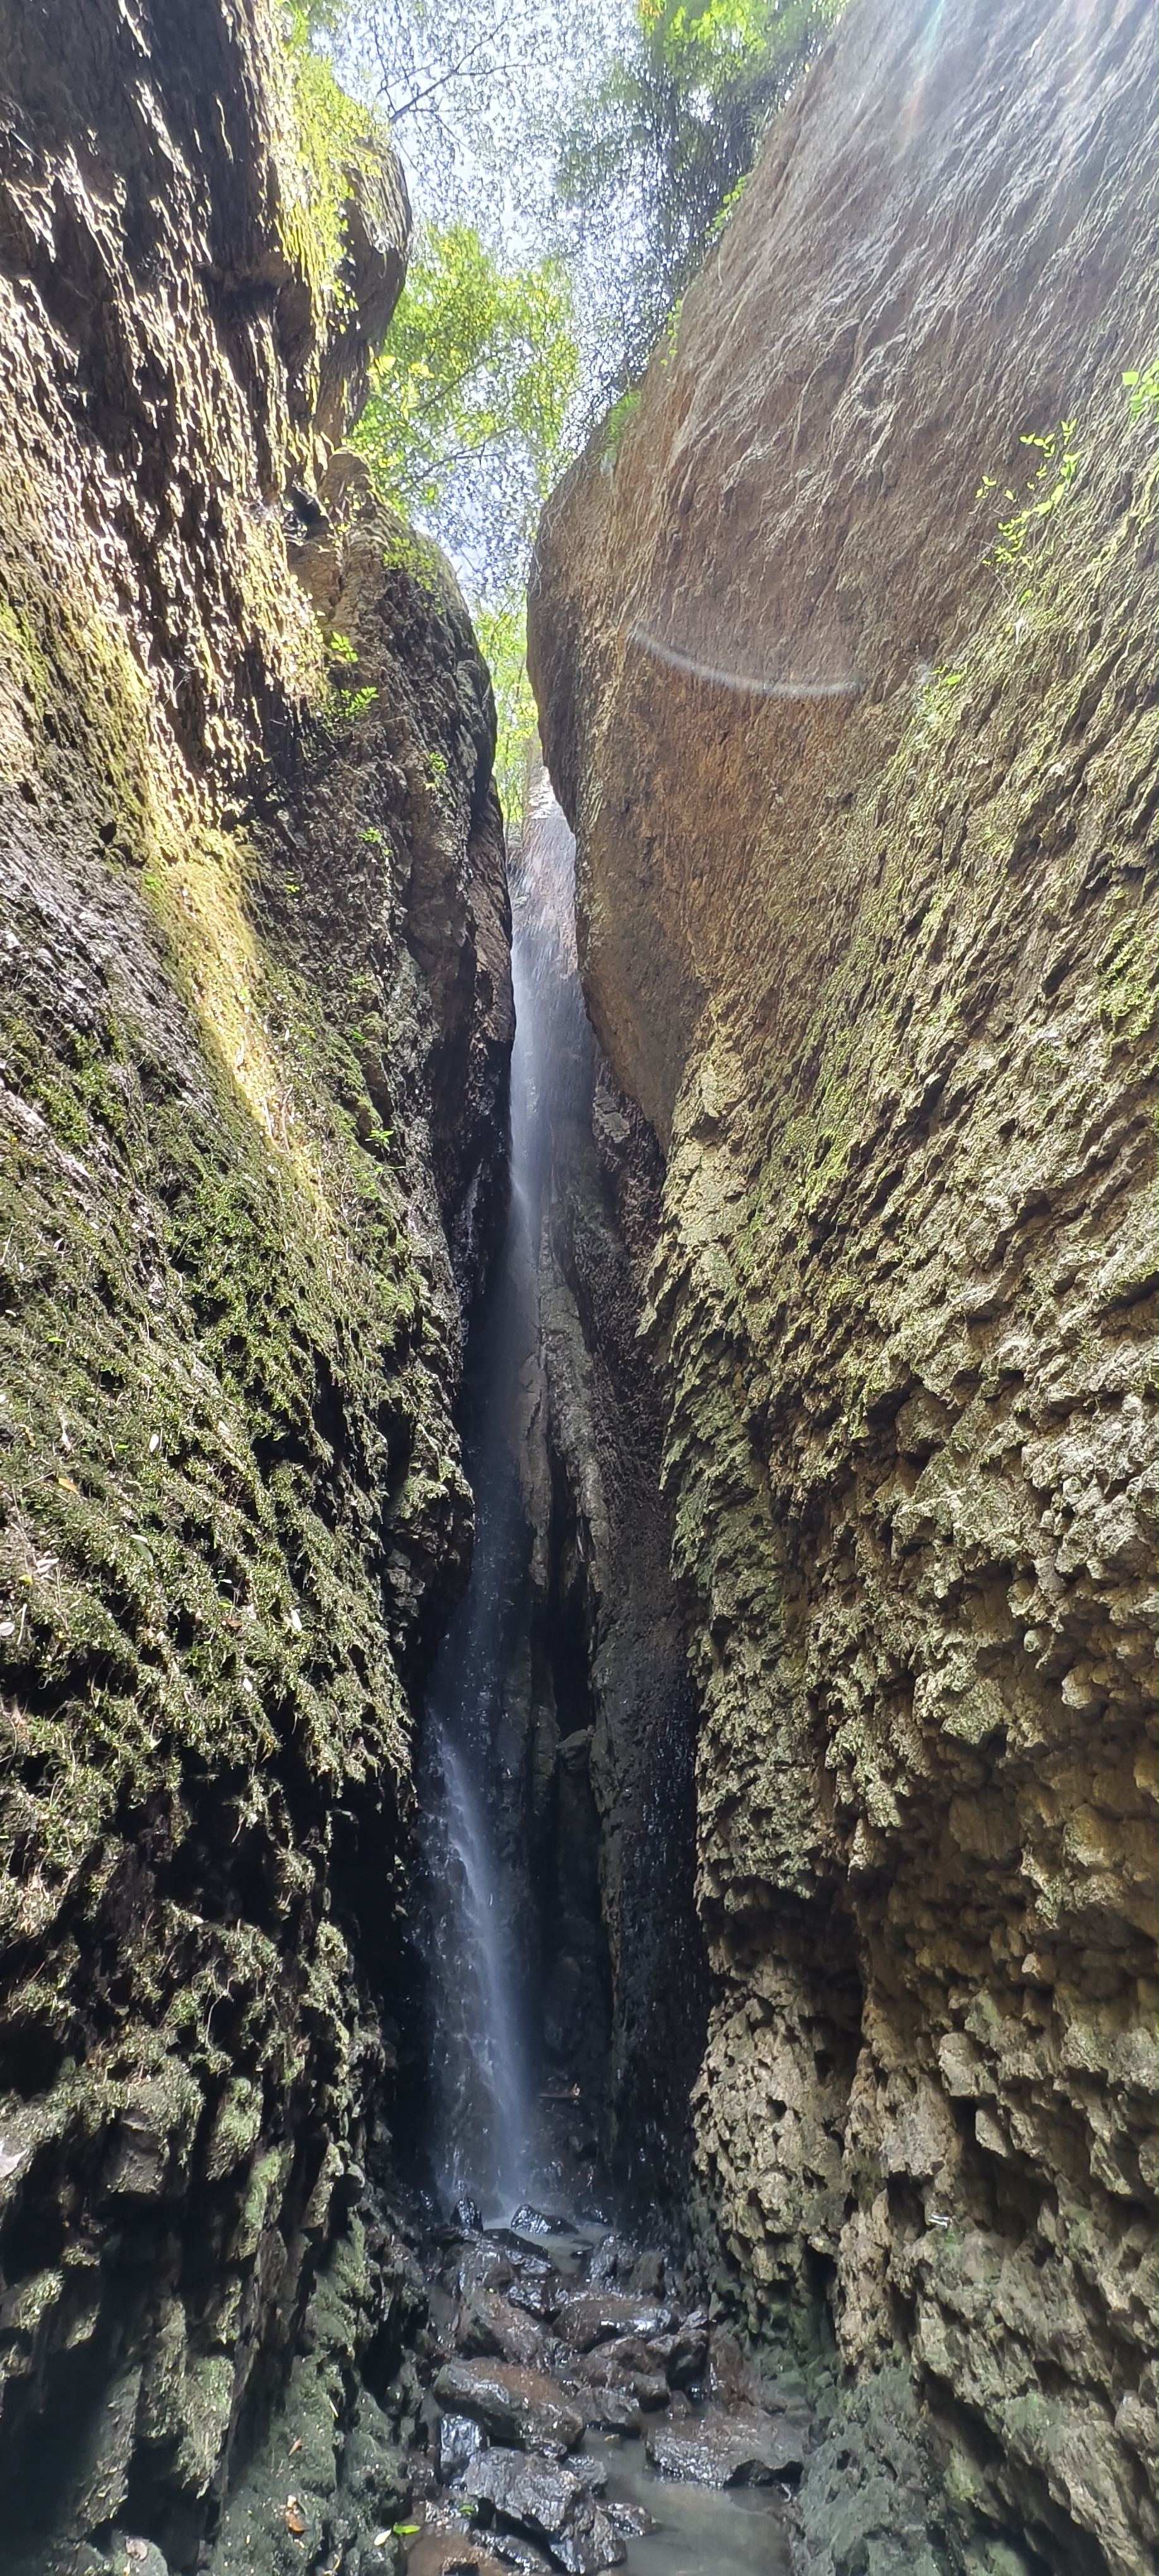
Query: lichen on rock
x,y
252,1122
864,817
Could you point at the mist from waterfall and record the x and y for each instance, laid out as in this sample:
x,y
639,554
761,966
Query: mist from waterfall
x,y
482,2045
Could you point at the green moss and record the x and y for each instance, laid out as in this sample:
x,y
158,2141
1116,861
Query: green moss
x,y
872,1187
621,414
335,138
27,665
213,1394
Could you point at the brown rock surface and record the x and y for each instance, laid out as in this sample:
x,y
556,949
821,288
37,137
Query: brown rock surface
x,y
486,2324
863,828
513,2405
549,2504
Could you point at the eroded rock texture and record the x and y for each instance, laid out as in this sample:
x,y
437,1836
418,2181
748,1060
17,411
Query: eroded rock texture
x,y
864,816
255,1023
614,1713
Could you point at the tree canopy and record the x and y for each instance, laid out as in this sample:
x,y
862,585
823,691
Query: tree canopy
x,y
465,430
657,144
470,399
567,174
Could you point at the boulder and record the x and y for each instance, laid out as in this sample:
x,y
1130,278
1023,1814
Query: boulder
x,y
633,2521
682,2355
540,2292
590,2317
486,2324
479,2267
458,2438
738,2450
549,2503
611,2410
513,2406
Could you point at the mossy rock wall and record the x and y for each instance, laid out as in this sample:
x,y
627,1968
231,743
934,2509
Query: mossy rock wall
x,y
864,798
254,1026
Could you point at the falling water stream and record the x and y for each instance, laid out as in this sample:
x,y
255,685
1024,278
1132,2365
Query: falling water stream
x,y
479,1911
476,1874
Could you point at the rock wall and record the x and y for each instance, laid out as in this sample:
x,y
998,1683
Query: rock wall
x,y
255,1026
863,791
615,1713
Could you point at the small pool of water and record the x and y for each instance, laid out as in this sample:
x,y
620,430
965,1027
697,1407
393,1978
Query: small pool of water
x,y
701,2531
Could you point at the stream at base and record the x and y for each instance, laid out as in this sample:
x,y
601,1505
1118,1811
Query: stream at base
x,y
581,2415
699,2533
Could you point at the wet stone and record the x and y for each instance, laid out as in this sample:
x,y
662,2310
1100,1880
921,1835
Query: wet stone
x,y
539,2292
513,2405
458,2440
480,2267
632,2521
524,2491
590,2317
591,2543
592,2474
526,2258
682,2356
607,2410
588,2546
554,2505
515,2550
744,2448
486,2324
609,2361
621,2368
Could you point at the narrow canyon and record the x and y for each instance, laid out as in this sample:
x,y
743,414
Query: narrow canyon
x,y
577,1463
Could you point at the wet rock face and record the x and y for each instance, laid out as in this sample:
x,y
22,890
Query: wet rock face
x,y
864,869
611,1702
253,1124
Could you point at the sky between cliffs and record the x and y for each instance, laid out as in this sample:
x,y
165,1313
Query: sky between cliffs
x,y
566,170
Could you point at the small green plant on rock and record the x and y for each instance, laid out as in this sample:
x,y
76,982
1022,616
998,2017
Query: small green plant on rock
x,y
1142,384
616,423
342,710
1049,488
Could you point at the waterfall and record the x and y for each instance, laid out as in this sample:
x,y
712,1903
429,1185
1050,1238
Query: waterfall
x,y
472,1788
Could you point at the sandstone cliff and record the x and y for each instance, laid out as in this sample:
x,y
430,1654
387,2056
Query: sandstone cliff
x,y
255,1026
863,795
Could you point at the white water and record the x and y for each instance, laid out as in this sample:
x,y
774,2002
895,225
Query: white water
x,y
479,1929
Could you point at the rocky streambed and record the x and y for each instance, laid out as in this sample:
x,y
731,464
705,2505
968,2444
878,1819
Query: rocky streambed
x,y
582,2412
